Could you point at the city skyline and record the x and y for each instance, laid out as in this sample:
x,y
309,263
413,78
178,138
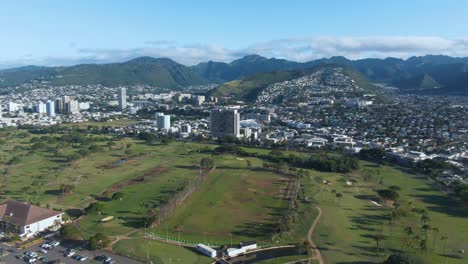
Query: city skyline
x,y
57,33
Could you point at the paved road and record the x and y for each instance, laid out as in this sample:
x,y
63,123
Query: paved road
x,y
58,252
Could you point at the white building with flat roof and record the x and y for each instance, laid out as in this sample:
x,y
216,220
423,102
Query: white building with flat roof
x,y
163,121
13,107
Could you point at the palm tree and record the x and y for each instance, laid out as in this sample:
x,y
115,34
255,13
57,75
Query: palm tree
x,y
408,231
37,188
378,238
26,190
435,231
339,196
423,245
444,238
426,228
424,218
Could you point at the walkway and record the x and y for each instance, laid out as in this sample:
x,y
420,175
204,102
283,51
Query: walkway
x,y
318,255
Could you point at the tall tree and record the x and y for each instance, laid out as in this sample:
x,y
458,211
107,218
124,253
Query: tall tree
x,y
435,233
424,218
408,231
426,229
444,239
339,196
378,238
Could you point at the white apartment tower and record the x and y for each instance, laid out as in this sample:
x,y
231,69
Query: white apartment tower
x,y
50,108
73,106
122,98
163,121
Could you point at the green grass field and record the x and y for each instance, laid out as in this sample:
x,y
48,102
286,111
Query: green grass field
x,y
159,252
235,202
282,260
345,233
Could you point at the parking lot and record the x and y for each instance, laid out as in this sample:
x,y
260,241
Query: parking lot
x,y
56,254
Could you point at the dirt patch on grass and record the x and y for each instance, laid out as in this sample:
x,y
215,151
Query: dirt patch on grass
x,y
156,171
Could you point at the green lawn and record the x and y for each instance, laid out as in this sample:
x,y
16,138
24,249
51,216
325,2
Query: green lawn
x,y
345,234
113,123
158,252
235,201
283,260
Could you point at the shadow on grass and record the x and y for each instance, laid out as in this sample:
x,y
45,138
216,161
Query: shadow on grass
x,y
444,204
53,192
358,262
453,256
133,222
74,212
366,197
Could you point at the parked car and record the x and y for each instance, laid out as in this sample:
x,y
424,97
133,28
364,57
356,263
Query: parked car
x,y
46,246
54,243
31,254
81,258
43,250
70,254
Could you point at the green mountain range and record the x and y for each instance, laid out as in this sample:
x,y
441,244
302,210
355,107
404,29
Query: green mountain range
x,y
161,72
427,74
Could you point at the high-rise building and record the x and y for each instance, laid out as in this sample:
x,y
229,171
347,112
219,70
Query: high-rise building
x,y
40,108
50,108
224,122
122,98
186,128
65,100
163,121
72,106
199,100
13,107
59,105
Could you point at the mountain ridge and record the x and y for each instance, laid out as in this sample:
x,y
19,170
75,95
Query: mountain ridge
x,y
418,73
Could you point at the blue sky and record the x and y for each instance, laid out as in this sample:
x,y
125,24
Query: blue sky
x,y
61,32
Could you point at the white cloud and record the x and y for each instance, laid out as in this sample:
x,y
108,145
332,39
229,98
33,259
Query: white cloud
x,y
362,47
298,49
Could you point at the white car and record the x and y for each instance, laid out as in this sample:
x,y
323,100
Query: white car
x,y
31,254
54,243
46,246
70,254
81,258
43,250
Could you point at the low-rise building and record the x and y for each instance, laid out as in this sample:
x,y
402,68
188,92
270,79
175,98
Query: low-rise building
x,y
27,220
